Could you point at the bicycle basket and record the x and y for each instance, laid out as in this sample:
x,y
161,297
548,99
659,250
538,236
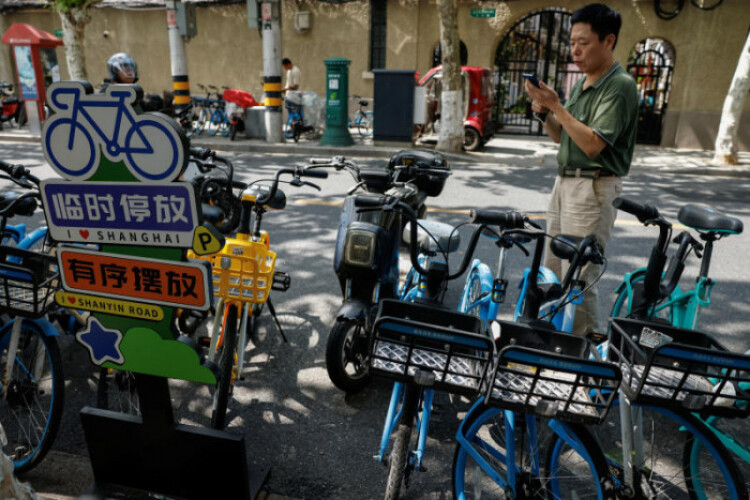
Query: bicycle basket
x,y
547,373
428,346
679,369
28,281
242,271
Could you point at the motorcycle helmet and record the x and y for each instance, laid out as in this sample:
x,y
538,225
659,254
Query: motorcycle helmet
x,y
122,68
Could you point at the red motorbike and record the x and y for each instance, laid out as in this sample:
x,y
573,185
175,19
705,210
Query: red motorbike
x,y
237,102
479,99
13,110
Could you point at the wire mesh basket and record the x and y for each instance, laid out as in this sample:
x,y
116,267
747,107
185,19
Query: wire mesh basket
x,y
242,271
28,281
547,373
679,369
432,347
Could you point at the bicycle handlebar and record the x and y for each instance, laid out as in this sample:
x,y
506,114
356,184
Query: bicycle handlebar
x,y
18,173
509,220
643,212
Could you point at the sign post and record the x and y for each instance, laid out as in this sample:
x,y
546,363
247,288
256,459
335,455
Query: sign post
x,y
120,195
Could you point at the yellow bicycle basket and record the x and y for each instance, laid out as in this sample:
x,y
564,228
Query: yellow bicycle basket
x,y
242,271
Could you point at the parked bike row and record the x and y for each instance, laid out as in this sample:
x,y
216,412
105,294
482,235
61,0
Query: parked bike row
x,y
635,412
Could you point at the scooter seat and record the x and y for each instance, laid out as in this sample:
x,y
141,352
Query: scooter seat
x,y
565,246
363,103
708,220
443,239
212,214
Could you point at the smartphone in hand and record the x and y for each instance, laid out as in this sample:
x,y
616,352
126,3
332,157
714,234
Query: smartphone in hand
x,y
531,78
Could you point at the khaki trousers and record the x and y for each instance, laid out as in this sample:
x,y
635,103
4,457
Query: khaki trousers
x,y
579,207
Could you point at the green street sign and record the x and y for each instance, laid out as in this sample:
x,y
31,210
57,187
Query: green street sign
x,y
482,12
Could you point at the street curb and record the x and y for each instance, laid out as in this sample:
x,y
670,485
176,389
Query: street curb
x,y
4,137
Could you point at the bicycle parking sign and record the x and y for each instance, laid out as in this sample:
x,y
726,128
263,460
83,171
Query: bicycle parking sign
x,y
84,126
119,192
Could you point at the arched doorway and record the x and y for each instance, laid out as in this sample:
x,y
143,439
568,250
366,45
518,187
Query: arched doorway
x,y
537,43
437,54
651,63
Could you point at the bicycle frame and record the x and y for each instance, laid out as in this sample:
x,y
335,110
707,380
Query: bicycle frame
x,y
417,291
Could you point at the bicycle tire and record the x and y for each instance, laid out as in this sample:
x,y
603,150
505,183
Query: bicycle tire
x,y
398,459
70,166
147,164
668,15
201,121
26,454
116,391
215,121
226,354
662,475
365,124
347,362
697,469
486,429
702,6
474,289
225,127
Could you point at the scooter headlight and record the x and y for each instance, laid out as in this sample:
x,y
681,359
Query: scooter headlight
x,y
360,248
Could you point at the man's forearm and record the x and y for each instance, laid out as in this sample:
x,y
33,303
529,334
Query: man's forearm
x,y
553,128
583,136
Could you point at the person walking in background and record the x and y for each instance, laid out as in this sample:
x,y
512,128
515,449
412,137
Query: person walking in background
x,y
293,75
596,130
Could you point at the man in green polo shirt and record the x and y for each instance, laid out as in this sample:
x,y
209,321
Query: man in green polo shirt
x,y
596,130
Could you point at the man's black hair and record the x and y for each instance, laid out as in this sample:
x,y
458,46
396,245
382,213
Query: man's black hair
x,y
602,19
286,60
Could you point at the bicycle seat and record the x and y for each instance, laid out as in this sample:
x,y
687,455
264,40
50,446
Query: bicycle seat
x,y
252,193
212,214
565,247
439,231
363,103
708,220
24,207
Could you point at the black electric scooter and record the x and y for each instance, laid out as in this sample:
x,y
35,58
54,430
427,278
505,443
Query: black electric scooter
x,y
367,253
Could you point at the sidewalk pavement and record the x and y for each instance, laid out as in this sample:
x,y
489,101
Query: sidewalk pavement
x,y
504,150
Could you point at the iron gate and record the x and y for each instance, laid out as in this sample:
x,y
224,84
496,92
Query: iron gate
x,y
652,69
538,43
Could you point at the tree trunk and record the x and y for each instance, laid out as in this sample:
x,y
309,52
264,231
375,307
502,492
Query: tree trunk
x,y
451,134
73,27
726,139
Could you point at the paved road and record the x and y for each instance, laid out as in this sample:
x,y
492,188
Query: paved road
x,y
320,443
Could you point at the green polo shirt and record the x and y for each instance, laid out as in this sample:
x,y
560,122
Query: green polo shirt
x,y
610,108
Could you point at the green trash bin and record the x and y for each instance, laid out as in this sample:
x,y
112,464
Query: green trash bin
x,y
337,103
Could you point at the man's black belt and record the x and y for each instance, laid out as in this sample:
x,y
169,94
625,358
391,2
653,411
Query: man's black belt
x,y
586,173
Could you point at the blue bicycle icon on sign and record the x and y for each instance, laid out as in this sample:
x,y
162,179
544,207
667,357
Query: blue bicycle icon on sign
x,y
84,125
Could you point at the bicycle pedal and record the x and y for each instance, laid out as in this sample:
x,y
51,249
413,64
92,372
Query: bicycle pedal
x,y
204,341
281,281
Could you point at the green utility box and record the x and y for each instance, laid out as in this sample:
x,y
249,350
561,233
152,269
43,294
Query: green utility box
x,y
337,103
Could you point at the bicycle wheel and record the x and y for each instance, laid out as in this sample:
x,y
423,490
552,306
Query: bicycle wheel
x,y
289,128
152,152
116,391
31,410
398,459
365,124
215,122
700,467
347,360
200,121
658,469
485,434
474,291
225,126
70,149
226,355
623,307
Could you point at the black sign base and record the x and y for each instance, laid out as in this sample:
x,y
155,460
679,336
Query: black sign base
x,y
133,456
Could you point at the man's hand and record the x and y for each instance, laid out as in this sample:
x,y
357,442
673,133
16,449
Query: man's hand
x,y
543,97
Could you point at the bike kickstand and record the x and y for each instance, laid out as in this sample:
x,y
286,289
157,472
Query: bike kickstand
x,y
276,319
